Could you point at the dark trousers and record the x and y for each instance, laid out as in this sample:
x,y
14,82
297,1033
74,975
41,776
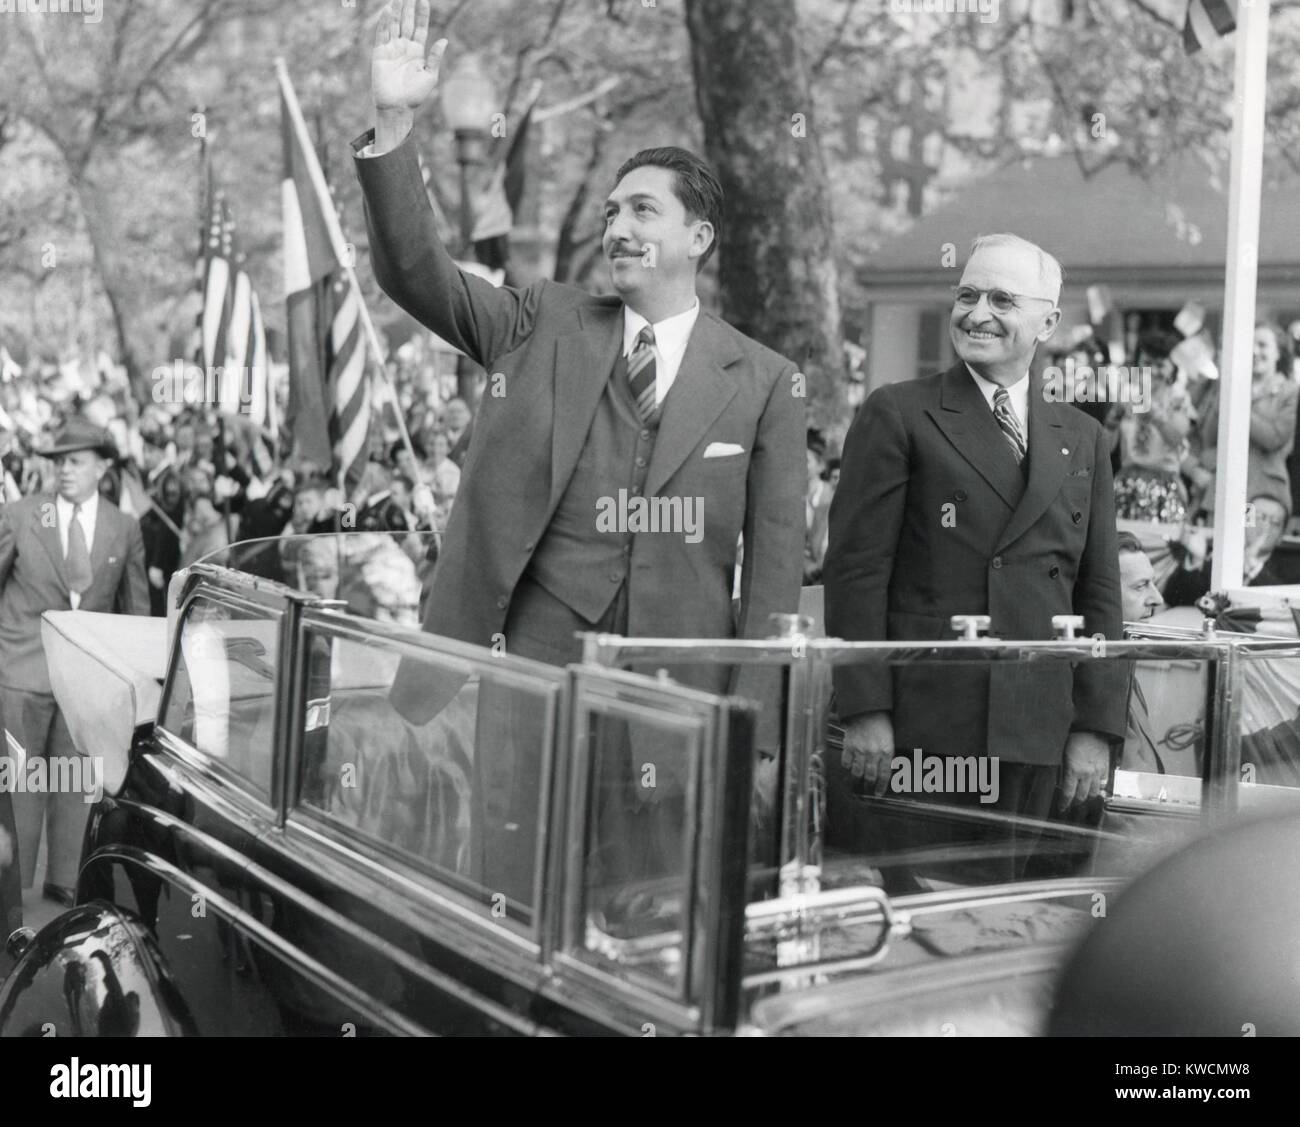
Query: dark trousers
x,y
995,844
37,723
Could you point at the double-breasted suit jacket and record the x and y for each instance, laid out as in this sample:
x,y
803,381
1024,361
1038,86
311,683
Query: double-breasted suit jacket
x,y
932,518
549,350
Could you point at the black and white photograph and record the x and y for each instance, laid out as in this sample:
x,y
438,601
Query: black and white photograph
x,y
651,518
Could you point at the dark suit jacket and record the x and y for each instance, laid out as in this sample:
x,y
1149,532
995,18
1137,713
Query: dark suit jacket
x,y
33,580
933,518
555,346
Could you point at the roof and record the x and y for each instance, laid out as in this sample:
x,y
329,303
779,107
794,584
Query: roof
x,y
1115,225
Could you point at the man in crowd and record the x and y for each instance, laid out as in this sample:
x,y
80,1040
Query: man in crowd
x,y
70,549
458,426
969,492
636,395
1137,578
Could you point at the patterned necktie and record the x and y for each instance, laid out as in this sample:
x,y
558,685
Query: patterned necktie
x,y
1010,425
641,372
78,558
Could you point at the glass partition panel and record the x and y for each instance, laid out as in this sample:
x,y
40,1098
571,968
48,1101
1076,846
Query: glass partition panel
x,y
1268,720
221,696
634,826
980,765
440,760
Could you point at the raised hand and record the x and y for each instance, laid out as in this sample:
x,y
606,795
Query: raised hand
x,y
402,74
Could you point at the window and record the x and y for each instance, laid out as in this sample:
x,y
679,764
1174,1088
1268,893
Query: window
x,y
439,761
222,695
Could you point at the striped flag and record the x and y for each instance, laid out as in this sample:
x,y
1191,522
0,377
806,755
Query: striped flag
x,y
1207,20
232,336
214,316
329,387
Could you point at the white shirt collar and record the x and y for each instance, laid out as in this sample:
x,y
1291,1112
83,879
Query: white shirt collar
x,y
671,337
89,509
1018,393
671,334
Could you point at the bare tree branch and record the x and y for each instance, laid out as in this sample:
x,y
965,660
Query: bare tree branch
x,y
1143,6
833,46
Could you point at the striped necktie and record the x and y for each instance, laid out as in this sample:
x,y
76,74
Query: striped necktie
x,y
641,372
1010,425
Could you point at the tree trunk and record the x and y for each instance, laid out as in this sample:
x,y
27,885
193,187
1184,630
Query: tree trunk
x,y
778,273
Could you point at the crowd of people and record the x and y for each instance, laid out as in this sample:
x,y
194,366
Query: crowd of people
x,y
199,480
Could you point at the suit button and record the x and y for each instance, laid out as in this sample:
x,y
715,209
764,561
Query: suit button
x,y
615,576
645,434
640,463
530,545
1053,572
997,562
1076,516
960,495
502,602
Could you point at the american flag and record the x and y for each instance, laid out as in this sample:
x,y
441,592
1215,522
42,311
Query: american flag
x,y
329,390
214,278
232,336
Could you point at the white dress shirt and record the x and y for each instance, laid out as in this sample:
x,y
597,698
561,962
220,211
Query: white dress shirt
x,y
87,516
671,336
1018,394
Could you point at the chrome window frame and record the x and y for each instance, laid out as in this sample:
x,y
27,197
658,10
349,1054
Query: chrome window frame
x,y
706,997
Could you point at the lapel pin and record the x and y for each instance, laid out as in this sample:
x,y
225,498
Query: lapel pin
x,y
1065,450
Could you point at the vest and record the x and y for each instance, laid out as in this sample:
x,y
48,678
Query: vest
x,y
576,561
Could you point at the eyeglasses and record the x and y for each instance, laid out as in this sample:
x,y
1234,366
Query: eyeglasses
x,y
1000,301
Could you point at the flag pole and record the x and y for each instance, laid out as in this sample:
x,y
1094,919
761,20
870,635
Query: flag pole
x,y
343,252
1250,45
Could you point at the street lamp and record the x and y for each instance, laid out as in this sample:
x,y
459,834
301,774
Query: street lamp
x,y
468,102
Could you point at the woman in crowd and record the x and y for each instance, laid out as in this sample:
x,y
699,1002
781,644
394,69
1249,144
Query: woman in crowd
x,y
1153,442
205,527
1273,398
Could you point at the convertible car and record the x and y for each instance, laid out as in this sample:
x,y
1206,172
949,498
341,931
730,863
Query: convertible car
x,y
318,820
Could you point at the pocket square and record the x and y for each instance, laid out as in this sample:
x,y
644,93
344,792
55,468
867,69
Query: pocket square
x,y
722,449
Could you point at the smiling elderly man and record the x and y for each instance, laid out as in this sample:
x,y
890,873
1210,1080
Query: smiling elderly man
x,y
70,549
969,492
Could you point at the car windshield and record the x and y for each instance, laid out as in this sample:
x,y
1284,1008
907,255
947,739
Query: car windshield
x,y
380,575
993,817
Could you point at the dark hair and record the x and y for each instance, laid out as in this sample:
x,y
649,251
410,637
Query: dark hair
x,y
417,445
1127,542
1285,346
694,183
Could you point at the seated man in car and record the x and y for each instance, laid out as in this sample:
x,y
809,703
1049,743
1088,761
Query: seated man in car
x,y
1166,698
